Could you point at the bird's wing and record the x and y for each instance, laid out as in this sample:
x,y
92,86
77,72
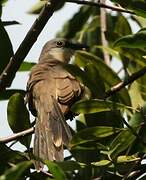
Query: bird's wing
x,y
68,89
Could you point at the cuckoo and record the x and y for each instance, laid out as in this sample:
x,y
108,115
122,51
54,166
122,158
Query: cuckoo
x,y
51,90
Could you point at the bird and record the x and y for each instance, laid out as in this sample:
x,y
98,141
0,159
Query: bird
x,y
51,91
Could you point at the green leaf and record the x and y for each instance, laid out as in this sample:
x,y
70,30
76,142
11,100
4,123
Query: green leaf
x,y
76,23
98,105
26,66
137,40
93,76
110,51
120,159
4,95
5,48
18,116
136,120
121,142
117,26
122,26
89,28
102,163
5,155
81,76
139,20
135,94
56,171
127,159
83,58
92,134
9,156
37,7
95,22
0,10
129,56
137,6
16,171
3,1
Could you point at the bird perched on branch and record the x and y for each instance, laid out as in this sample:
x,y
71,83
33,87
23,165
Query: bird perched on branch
x,y
51,92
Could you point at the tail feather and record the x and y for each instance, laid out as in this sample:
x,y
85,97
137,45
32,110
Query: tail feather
x,y
38,147
51,133
66,134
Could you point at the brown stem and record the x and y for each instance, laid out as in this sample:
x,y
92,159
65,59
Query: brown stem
x,y
103,28
9,72
16,136
122,84
100,5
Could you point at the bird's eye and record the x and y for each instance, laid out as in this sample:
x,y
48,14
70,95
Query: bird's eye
x,y
59,43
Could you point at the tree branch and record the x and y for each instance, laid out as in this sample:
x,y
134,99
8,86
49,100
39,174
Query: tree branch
x,y
128,81
100,5
16,136
9,72
103,27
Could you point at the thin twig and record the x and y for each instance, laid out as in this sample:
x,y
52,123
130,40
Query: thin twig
x,y
103,27
100,5
7,23
126,82
16,136
9,72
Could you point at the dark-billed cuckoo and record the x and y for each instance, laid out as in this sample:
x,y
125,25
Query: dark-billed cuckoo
x,y
51,92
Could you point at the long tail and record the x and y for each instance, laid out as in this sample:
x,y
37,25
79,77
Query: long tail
x,y
51,133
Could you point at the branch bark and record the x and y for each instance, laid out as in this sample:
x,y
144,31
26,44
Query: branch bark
x,y
128,81
100,5
103,27
17,136
9,72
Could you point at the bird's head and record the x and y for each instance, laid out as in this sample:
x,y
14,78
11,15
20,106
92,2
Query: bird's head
x,y
60,49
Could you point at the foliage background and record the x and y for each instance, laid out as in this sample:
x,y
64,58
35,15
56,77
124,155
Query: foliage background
x,y
109,141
